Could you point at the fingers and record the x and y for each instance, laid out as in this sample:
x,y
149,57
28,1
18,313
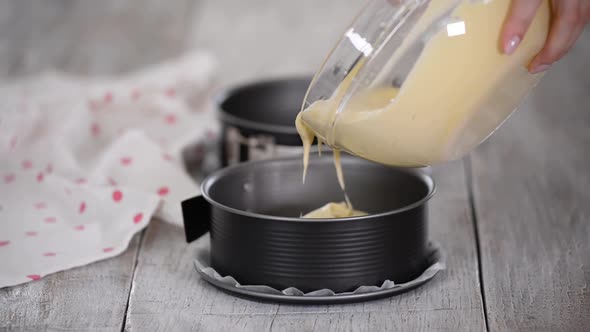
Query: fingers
x,y
585,10
520,16
565,30
569,19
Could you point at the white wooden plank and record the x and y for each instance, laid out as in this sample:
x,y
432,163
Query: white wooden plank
x,y
531,191
261,39
88,297
169,295
84,37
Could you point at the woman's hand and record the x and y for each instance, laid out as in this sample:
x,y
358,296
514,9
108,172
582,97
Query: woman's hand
x,y
567,23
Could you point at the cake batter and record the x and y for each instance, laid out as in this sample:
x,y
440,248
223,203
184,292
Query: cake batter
x,y
462,85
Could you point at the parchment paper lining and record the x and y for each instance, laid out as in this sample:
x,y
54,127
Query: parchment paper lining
x,y
202,265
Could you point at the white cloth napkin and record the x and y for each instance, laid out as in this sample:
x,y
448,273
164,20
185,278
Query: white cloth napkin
x,y
85,163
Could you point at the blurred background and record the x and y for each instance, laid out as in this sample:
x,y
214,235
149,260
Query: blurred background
x,y
512,217
251,39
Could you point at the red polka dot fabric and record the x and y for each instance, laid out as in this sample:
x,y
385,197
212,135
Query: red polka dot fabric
x,y
85,163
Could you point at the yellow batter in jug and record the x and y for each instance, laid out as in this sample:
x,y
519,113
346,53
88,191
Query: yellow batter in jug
x,y
458,91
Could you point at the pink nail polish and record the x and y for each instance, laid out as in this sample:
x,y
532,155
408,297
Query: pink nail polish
x,y
511,45
540,68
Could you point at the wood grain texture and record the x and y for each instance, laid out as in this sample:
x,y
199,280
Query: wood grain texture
x,y
261,39
84,37
92,297
169,295
530,183
531,187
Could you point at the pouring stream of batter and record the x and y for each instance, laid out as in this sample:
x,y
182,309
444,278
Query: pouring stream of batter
x,y
460,89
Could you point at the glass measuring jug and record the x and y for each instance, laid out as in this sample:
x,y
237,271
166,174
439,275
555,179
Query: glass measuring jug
x,y
420,82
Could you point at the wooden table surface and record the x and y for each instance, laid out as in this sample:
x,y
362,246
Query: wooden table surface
x,y
513,218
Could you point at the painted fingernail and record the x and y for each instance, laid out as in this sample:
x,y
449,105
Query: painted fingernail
x,y
511,45
540,68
